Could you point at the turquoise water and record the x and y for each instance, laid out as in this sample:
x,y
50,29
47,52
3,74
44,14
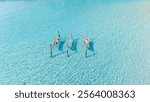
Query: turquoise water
x,y
119,32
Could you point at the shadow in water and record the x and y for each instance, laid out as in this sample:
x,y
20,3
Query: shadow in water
x,y
61,45
60,48
72,53
91,55
91,47
58,54
74,45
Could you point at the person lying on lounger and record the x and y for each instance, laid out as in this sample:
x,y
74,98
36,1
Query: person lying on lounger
x,y
57,41
87,42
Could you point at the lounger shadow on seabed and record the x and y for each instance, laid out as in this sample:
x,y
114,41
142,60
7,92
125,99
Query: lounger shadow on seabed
x,y
60,48
91,48
74,47
61,45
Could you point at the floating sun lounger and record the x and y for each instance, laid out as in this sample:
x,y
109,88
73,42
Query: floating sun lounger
x,y
69,44
56,43
70,41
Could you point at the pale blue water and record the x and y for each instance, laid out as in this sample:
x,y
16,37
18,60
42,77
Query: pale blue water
x,y
119,31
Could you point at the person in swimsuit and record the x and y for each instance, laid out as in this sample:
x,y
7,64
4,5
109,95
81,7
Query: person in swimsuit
x,y
87,45
56,42
87,42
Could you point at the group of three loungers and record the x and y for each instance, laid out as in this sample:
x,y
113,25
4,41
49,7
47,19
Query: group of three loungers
x,y
69,44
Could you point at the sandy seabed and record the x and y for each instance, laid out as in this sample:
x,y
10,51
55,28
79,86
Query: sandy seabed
x,y
119,32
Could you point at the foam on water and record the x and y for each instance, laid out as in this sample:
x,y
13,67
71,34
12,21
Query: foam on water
x,y
119,32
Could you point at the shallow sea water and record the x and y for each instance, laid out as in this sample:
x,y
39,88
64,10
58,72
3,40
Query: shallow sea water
x,y
119,32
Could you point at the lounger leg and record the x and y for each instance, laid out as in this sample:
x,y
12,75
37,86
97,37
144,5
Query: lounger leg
x,y
86,52
67,52
51,51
